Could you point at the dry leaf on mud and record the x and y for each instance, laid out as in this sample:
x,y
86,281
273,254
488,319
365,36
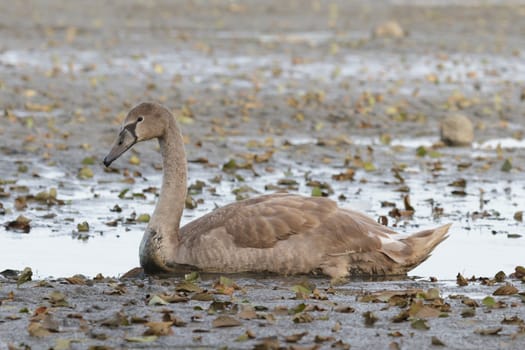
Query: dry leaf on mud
x,y
187,286
145,339
489,331
370,318
507,289
420,310
436,341
158,328
294,338
225,321
420,324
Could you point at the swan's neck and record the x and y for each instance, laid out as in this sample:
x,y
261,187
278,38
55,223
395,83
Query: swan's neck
x,y
162,235
170,205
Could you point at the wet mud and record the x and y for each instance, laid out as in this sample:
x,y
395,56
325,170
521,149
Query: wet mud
x,y
296,96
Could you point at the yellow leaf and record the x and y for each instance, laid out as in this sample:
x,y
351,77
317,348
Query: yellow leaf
x,y
158,68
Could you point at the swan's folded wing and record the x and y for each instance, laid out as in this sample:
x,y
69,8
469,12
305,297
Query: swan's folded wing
x,y
265,221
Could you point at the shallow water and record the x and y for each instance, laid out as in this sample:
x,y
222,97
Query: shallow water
x,y
478,247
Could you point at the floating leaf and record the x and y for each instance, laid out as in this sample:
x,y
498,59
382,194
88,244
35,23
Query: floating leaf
x,y
507,165
461,281
134,160
143,218
83,226
317,192
488,302
85,173
20,224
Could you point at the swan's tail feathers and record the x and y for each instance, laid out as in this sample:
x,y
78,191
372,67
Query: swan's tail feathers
x,y
422,244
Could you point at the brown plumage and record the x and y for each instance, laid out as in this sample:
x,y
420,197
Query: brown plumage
x,y
280,233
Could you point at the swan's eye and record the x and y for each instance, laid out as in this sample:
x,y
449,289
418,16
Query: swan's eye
x,y
140,119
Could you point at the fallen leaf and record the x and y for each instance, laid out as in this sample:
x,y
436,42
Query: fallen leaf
x,y
489,331
158,328
36,329
57,299
157,300
436,341
344,309
145,339
302,317
294,338
420,324
507,289
225,321
20,224
187,286
85,173
83,226
461,281
25,276
370,318
514,320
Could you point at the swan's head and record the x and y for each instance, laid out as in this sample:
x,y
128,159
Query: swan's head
x,y
144,122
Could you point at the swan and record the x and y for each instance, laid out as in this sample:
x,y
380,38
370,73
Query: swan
x,y
277,233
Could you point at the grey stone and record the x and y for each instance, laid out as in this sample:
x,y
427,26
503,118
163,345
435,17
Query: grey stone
x,y
457,130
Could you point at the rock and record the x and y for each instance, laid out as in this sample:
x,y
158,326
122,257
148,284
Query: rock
x,y
389,29
457,130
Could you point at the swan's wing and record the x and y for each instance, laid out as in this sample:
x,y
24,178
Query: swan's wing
x,y
263,222
267,220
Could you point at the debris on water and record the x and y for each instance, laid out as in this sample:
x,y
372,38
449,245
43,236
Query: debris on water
x,y
507,289
507,165
83,226
24,276
20,224
461,281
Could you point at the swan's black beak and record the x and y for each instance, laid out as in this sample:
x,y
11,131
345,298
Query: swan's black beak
x,y
126,139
